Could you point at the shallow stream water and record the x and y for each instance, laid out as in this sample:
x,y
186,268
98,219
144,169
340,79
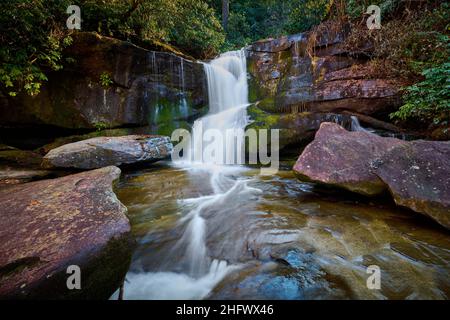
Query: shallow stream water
x,y
273,238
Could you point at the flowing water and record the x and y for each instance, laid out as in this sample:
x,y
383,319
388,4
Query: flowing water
x,y
208,230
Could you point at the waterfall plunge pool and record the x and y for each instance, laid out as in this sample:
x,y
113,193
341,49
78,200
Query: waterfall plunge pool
x,y
272,238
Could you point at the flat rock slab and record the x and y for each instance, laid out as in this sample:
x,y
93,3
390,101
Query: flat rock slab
x,y
344,159
10,175
105,151
48,225
418,177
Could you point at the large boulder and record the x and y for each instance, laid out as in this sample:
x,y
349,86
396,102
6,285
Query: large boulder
x,y
118,132
418,177
104,151
47,226
342,158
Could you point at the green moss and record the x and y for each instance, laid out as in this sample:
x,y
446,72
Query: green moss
x,y
268,105
261,119
169,114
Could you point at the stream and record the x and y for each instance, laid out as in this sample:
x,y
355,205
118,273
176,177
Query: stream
x,y
206,230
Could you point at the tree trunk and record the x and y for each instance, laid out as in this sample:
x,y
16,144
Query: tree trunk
x,y
225,13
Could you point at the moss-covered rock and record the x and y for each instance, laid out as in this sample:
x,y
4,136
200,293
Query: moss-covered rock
x,y
315,73
295,128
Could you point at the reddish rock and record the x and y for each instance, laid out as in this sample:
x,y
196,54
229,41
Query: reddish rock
x,y
341,158
272,45
48,225
418,177
332,80
363,96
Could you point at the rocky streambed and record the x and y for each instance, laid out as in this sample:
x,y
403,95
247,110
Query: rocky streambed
x,y
177,231
280,239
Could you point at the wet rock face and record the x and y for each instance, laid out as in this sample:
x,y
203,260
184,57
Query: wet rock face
x,y
418,176
48,225
141,82
104,151
328,81
314,73
295,128
342,158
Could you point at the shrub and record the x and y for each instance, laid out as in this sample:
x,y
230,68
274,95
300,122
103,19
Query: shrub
x,y
31,43
429,100
105,80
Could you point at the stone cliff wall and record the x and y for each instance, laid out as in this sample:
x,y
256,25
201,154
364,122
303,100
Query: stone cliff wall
x,y
156,88
297,77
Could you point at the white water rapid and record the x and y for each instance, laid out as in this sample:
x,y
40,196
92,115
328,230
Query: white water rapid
x,y
196,271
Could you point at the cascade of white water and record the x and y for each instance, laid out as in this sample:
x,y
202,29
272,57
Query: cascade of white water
x,y
228,99
356,126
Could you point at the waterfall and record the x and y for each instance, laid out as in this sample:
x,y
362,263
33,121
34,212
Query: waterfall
x,y
228,98
356,126
190,272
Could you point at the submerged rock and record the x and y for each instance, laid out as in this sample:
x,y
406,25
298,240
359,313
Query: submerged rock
x,y
343,159
104,151
47,226
418,177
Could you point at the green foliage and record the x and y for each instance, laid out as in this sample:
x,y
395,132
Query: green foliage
x,y
105,80
188,24
99,126
33,33
356,8
251,20
196,29
426,51
31,43
428,100
307,14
